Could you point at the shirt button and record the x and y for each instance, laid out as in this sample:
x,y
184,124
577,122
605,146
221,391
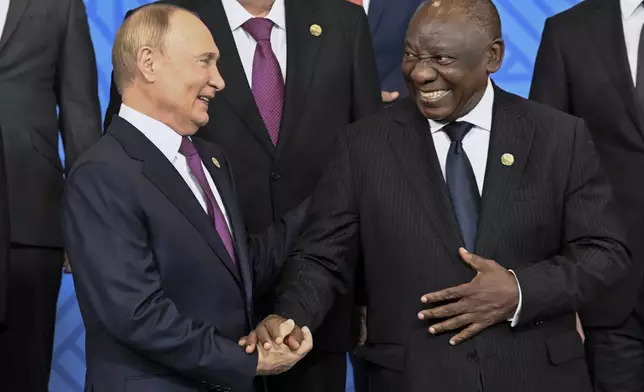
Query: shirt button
x,y
275,176
473,356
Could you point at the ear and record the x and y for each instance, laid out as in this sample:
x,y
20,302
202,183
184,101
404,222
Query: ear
x,y
495,55
147,61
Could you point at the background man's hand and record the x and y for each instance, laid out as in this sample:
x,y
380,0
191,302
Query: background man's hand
x,y
388,97
67,268
490,298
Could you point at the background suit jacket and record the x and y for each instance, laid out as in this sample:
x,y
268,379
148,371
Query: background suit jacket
x,y
331,80
162,301
385,194
46,60
389,20
582,69
4,240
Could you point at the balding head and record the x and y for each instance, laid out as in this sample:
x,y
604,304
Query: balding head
x,y
165,65
452,46
146,27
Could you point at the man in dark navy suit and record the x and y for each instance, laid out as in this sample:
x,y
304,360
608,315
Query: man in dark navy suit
x,y
164,271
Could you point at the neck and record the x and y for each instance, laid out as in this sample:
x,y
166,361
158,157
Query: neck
x,y
141,101
257,8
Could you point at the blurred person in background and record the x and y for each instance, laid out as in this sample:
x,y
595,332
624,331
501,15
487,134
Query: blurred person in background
x,y
47,63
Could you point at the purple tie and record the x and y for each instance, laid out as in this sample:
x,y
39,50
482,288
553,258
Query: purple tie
x,y
268,82
188,150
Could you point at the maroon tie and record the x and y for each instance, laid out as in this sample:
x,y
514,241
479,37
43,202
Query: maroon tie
x,y
188,150
268,82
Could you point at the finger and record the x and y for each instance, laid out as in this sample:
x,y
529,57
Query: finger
x,y
449,294
452,324
263,337
251,343
307,342
467,333
449,310
283,330
295,338
475,261
242,341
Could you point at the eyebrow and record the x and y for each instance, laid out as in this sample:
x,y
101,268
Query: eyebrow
x,y
210,56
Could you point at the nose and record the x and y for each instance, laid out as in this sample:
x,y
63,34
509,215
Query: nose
x,y
216,80
424,73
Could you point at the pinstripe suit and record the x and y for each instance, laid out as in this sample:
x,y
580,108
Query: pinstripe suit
x,y
549,217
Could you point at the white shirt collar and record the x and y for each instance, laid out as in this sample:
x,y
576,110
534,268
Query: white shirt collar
x,y
480,116
161,135
238,15
629,7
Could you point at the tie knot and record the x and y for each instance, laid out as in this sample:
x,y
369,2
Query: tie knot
x,y
259,28
457,130
187,148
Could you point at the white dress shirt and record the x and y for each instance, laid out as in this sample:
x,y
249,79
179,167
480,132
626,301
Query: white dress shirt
x,y
237,15
476,144
365,5
4,10
168,142
632,19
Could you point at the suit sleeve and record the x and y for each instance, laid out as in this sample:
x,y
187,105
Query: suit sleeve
x,y
366,98
77,86
116,274
549,83
269,250
324,261
594,258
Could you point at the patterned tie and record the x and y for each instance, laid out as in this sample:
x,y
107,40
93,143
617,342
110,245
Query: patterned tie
x,y
462,184
357,2
188,150
268,82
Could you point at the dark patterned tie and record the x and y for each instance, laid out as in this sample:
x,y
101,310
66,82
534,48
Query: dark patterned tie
x,y
268,82
188,150
461,183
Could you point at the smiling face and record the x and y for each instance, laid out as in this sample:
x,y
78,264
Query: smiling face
x,y
186,77
448,59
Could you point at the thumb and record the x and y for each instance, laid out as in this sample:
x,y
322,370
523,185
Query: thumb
x,y
286,328
472,260
307,342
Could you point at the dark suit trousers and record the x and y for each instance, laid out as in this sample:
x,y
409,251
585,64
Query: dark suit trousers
x,y
320,372
616,356
26,346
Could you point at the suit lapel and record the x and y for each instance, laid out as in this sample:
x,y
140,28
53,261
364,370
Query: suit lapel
x,y
302,58
376,8
221,176
509,135
16,10
237,92
605,24
414,146
165,177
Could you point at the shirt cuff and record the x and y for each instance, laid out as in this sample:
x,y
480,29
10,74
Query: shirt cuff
x,y
514,321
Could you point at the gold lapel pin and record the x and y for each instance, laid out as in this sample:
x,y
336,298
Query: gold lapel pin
x,y
507,159
216,162
316,30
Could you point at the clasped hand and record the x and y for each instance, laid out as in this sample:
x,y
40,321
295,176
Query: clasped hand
x,y
490,298
280,344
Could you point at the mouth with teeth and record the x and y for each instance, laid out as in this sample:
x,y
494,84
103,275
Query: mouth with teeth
x,y
433,96
205,99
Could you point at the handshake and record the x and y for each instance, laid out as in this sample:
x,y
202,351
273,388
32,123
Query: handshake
x,y
280,344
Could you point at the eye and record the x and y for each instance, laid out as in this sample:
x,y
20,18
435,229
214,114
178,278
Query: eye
x,y
410,55
443,60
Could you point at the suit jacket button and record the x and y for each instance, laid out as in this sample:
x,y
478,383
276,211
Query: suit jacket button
x,y
275,176
473,356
